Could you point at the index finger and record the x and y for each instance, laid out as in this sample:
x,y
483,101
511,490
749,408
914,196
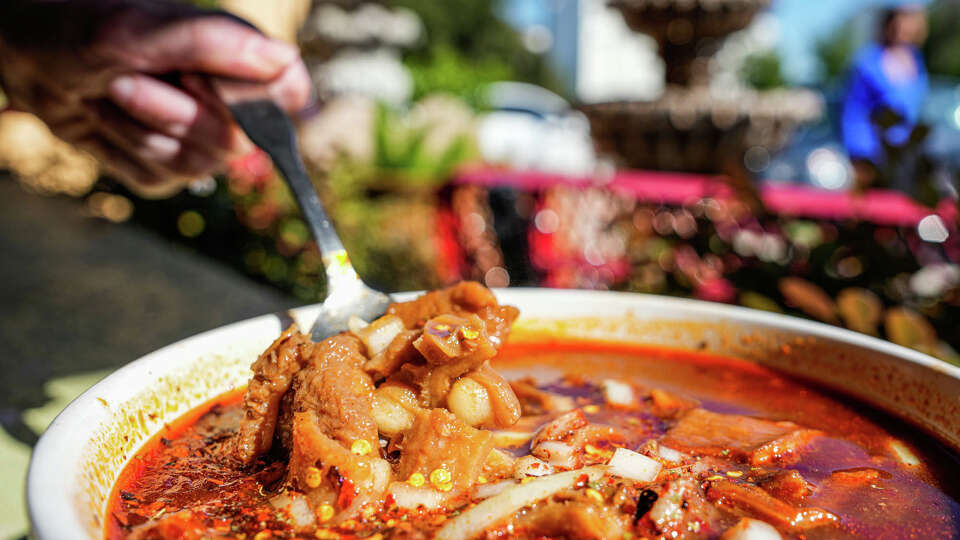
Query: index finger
x,y
214,45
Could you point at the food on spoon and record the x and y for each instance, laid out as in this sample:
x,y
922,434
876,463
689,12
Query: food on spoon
x,y
406,427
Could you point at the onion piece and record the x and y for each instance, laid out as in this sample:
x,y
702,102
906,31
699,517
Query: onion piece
x,y
560,428
903,454
485,491
356,325
618,393
500,507
389,414
557,454
499,463
669,454
411,498
631,465
562,403
376,336
751,529
531,466
507,439
296,507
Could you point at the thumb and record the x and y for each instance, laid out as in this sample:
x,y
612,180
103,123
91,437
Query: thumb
x,y
215,45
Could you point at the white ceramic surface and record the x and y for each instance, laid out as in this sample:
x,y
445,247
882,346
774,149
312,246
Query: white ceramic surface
x,y
79,457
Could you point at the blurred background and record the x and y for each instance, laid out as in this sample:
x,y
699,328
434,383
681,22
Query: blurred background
x,y
699,148
683,147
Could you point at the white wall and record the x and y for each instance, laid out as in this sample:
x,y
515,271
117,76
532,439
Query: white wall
x,y
614,62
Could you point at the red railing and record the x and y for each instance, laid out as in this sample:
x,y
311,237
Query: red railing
x,y
880,206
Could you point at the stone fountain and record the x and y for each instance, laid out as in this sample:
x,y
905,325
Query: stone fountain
x,y
695,127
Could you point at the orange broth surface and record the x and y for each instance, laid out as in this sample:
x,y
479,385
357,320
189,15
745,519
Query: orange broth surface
x,y
175,469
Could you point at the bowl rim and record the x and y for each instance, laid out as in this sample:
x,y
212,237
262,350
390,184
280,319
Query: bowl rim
x,y
53,517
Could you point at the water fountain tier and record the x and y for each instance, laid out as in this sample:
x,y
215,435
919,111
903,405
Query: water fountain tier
x,y
699,130
693,127
688,32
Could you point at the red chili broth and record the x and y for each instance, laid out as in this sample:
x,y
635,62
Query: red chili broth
x,y
721,383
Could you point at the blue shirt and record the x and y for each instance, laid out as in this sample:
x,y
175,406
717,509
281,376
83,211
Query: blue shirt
x,y
868,90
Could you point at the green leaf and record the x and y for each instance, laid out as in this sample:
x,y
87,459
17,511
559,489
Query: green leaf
x,y
458,152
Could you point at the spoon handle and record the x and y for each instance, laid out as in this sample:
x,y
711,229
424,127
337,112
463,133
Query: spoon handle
x,y
270,128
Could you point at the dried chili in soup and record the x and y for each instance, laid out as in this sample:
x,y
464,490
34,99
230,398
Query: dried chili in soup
x,y
424,424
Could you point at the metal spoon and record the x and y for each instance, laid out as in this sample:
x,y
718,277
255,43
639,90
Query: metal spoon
x,y
271,129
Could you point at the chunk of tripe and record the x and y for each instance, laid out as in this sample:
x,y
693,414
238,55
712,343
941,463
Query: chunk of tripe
x,y
438,440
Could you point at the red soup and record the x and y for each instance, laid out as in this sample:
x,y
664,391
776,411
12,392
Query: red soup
x,y
424,425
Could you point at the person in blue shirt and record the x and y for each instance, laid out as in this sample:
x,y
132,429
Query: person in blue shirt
x,y
886,90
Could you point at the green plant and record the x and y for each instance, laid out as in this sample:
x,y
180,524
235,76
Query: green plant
x,y
444,69
762,70
942,49
402,149
385,207
482,42
402,159
835,53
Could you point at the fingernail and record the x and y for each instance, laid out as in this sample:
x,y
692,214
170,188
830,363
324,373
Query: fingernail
x,y
122,88
293,90
272,55
161,147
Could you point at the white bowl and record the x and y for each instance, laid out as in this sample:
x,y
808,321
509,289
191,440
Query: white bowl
x,y
77,460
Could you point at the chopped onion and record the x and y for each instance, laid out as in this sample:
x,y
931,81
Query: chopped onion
x,y
556,453
673,505
377,335
499,462
295,506
668,507
700,467
356,325
506,439
618,393
751,529
485,491
531,466
669,454
903,454
562,403
411,498
634,466
561,427
389,414
500,507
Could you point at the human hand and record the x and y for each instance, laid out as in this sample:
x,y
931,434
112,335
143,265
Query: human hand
x,y
131,87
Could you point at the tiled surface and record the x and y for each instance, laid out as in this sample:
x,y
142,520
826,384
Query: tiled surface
x,y
80,297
